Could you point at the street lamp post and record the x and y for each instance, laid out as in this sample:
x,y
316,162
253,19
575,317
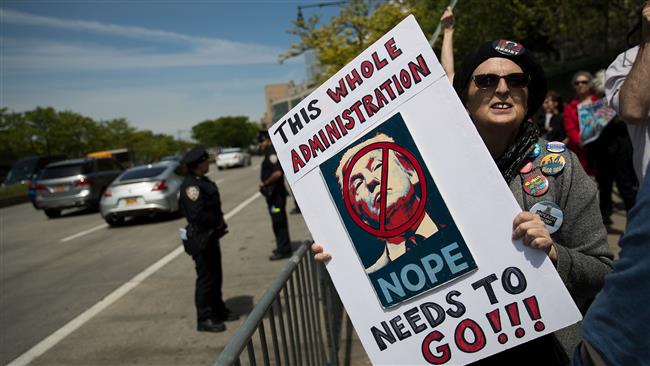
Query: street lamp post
x,y
300,18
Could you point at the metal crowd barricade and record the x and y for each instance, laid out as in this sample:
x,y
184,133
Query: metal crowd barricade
x,y
298,320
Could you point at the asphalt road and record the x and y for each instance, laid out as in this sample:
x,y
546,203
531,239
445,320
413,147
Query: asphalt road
x,y
54,270
75,292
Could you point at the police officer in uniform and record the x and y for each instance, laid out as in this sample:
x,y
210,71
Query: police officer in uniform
x,y
200,203
272,187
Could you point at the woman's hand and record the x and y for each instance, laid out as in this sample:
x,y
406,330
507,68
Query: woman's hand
x,y
447,20
530,227
318,253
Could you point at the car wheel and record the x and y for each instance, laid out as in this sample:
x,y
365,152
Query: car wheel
x,y
114,221
52,213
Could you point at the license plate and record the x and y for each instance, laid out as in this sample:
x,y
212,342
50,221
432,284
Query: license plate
x,y
132,201
61,188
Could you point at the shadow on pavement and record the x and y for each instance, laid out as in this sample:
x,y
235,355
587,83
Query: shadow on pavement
x,y
78,212
614,231
240,305
148,220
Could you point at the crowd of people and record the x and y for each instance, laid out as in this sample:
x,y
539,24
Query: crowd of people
x,y
504,91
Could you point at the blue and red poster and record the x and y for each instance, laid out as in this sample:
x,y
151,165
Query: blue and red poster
x,y
398,222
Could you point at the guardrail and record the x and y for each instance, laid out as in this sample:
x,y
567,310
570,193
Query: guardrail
x,y
303,313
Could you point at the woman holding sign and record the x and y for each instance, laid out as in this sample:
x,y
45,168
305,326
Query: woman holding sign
x,y
501,87
604,151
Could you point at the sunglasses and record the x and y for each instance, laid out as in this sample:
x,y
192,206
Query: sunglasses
x,y
578,82
514,80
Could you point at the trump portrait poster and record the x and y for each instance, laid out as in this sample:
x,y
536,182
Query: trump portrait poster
x,y
394,181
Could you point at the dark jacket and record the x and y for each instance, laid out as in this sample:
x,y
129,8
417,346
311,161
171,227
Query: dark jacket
x,y
200,203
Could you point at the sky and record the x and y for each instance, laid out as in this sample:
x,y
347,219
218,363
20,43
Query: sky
x,y
163,65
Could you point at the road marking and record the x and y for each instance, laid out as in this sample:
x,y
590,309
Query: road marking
x,y
68,238
54,338
241,206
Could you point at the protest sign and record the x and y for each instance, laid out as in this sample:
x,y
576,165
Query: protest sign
x,y
394,181
593,118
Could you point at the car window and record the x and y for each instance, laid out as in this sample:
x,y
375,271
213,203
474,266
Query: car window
x,y
23,169
230,150
104,165
116,165
141,173
67,170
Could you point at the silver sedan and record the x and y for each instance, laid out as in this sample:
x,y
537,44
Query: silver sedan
x,y
142,190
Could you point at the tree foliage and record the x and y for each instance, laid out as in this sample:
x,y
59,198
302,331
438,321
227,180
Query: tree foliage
x,y
236,131
45,131
556,30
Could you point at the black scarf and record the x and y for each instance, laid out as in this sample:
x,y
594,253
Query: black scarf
x,y
510,161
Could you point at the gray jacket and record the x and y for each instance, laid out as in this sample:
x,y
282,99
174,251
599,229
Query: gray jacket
x,y
584,257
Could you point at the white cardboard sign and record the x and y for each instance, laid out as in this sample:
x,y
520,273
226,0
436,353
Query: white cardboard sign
x,y
394,181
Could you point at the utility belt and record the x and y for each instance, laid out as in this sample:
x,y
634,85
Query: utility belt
x,y
273,190
195,239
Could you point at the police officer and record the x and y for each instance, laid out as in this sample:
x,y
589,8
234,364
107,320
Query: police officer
x,y
200,203
272,187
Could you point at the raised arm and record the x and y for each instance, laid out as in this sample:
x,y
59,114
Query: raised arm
x,y
447,53
634,100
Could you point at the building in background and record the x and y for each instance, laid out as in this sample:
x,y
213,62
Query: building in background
x,y
280,98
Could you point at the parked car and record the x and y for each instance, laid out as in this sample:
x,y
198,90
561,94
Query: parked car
x,y
171,158
232,156
74,183
142,190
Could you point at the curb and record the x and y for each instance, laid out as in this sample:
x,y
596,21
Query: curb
x,y
10,201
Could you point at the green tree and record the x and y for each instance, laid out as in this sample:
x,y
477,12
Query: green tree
x,y
556,30
359,24
46,131
235,131
16,136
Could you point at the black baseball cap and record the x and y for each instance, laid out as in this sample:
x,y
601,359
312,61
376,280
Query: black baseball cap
x,y
262,135
196,155
515,52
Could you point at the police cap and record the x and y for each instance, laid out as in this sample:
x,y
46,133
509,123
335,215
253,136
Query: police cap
x,y
196,155
262,135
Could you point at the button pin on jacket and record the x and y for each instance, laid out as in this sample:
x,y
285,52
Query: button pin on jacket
x,y
535,152
536,185
552,164
526,167
555,147
550,213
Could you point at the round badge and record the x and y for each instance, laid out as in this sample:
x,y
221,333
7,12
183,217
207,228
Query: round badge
x,y
526,167
552,164
555,147
536,185
535,152
550,213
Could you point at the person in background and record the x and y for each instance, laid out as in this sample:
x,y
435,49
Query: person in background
x,y
583,85
550,120
272,187
611,156
627,88
501,86
200,203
